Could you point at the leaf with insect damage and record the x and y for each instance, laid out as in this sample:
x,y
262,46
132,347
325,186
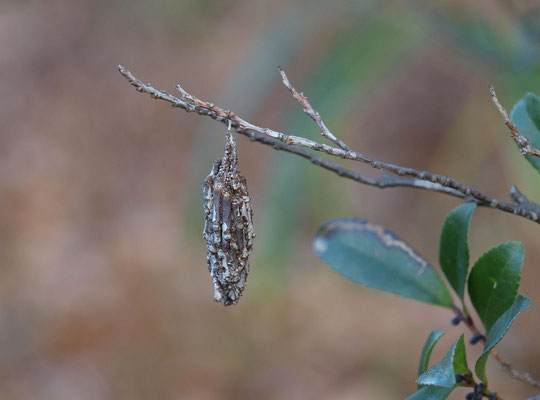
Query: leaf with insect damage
x,y
369,255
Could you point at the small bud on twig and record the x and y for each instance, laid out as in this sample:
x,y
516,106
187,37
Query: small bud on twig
x,y
476,338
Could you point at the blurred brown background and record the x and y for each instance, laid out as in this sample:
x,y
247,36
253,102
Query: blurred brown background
x,y
104,290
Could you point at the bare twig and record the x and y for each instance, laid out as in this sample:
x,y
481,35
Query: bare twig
x,y
314,115
523,376
506,367
524,147
385,181
522,200
290,143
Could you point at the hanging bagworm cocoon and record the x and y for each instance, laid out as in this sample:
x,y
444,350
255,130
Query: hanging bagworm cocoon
x,y
228,229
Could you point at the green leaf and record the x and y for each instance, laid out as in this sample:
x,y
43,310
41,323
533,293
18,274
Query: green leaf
x,y
443,373
480,367
371,256
497,332
526,116
460,358
454,247
431,393
503,323
494,281
431,341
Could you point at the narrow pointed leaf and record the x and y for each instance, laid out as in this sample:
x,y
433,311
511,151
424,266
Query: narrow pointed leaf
x,y
431,341
497,332
494,281
480,367
503,323
460,358
443,373
431,393
526,116
371,256
454,247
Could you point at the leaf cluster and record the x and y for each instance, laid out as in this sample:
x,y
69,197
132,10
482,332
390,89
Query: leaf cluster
x,y
374,257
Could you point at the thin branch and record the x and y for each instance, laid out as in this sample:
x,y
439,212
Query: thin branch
x,y
314,115
505,366
290,143
385,181
523,143
522,200
523,376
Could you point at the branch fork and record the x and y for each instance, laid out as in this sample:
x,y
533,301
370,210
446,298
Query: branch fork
x,y
392,176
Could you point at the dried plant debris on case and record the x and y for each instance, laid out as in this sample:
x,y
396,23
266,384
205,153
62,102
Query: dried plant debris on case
x,y
228,229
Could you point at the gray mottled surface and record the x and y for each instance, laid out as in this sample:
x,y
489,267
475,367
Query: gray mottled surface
x,y
228,229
